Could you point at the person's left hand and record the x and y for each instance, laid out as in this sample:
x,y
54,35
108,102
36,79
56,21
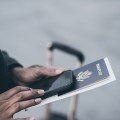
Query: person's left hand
x,y
26,76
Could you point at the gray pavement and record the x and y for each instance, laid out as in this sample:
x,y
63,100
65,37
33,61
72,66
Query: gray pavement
x,y
92,26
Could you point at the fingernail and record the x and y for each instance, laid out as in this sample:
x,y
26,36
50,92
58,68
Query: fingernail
x,y
41,92
38,100
59,71
32,118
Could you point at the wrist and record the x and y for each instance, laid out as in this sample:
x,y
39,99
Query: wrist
x,y
15,70
15,74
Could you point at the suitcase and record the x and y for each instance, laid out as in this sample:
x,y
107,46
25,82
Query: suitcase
x,y
49,115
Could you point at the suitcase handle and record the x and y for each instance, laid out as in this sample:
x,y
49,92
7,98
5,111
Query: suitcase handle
x,y
67,49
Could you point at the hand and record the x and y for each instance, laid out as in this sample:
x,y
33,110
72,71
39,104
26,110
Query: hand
x,y
26,76
17,99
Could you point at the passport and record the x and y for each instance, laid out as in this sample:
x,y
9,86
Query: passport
x,y
85,78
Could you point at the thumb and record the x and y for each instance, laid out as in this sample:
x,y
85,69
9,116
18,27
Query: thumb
x,y
50,71
30,118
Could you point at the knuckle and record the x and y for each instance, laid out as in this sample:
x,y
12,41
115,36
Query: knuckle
x,y
20,96
18,88
34,92
51,71
17,107
37,69
32,102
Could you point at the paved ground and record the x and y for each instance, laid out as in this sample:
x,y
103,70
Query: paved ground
x,y
92,26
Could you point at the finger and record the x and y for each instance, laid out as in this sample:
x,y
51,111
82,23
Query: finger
x,y
23,105
25,118
49,71
26,95
8,94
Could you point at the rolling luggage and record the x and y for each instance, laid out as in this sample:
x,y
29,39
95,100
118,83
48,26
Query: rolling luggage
x,y
73,104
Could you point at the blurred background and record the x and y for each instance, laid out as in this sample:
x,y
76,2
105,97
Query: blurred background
x,y
91,26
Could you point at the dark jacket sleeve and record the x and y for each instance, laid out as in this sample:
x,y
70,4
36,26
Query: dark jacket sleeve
x,y
11,63
6,65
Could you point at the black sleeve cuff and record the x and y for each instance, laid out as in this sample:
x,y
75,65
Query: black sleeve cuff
x,y
10,64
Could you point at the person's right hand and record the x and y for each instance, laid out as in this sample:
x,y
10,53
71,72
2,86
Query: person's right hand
x,y
17,99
